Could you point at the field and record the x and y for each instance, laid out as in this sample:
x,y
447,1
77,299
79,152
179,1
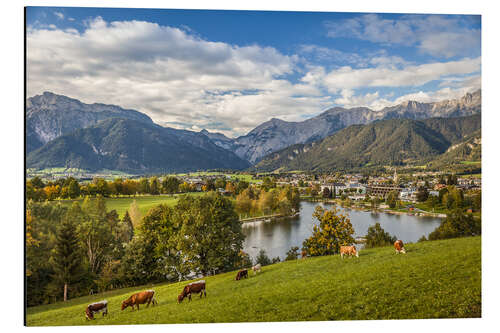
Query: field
x,y
438,279
145,203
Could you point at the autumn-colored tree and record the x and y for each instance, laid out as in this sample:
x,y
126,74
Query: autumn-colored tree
x,y
230,187
333,231
135,214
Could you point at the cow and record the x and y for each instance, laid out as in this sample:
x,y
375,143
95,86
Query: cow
x,y
142,297
96,307
193,287
348,250
399,246
242,274
303,254
257,268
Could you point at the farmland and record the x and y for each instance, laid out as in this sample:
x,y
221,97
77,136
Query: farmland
x,y
435,279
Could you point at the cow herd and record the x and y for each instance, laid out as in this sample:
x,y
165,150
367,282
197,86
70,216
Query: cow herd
x,y
199,287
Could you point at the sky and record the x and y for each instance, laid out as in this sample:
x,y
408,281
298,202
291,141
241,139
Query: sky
x,y
229,71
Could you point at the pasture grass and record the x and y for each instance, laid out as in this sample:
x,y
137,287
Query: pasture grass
x,y
145,203
435,279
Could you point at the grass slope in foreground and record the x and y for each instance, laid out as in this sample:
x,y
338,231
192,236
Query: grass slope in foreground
x,y
435,279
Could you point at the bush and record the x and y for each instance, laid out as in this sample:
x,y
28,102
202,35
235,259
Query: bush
x,y
262,258
457,224
377,237
293,253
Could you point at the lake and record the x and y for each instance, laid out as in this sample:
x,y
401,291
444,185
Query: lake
x,y
277,237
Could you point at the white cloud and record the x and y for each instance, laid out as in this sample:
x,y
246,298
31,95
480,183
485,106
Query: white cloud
x,y
408,76
374,101
184,81
174,77
433,34
59,15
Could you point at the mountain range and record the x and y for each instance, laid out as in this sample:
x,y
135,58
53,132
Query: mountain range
x,y
135,147
276,134
64,132
383,142
48,116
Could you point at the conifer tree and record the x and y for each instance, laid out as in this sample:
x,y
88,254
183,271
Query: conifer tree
x,y
66,256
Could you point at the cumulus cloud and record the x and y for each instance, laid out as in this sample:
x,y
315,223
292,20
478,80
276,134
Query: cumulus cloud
x,y
432,34
376,102
184,81
59,15
383,76
169,74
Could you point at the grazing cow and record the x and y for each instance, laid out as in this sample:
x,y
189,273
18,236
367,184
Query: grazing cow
x,y
257,268
96,307
142,297
303,254
348,250
242,274
399,246
193,287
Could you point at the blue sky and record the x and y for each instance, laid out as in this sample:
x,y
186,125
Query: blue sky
x,y
229,71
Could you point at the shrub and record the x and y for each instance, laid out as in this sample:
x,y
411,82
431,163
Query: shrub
x,y
377,237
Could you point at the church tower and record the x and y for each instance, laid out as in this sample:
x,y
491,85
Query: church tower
x,y
395,177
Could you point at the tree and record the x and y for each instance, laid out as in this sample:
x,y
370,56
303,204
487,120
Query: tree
x,y
210,235
457,224
266,201
241,186
262,258
144,186
334,230
422,194
230,187
73,189
268,183
135,214
391,199
95,231
377,237
171,185
155,186
326,192
37,182
293,253
66,256
275,260
220,183
127,221
243,203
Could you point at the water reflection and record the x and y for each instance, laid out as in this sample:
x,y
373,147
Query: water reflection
x,y
276,237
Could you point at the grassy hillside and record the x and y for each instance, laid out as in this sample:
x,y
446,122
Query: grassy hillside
x,y
438,279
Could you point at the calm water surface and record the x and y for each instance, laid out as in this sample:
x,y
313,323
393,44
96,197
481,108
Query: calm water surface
x,y
279,236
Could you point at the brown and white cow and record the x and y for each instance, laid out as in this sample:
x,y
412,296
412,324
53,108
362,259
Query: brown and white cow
x,y
193,287
348,250
242,274
257,268
96,307
303,253
399,246
142,297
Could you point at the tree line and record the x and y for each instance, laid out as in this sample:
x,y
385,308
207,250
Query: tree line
x,y
70,188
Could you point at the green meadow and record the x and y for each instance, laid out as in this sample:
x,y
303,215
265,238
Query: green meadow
x,y
145,203
434,279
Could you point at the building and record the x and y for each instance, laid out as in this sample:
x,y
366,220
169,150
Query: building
x,y
382,190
